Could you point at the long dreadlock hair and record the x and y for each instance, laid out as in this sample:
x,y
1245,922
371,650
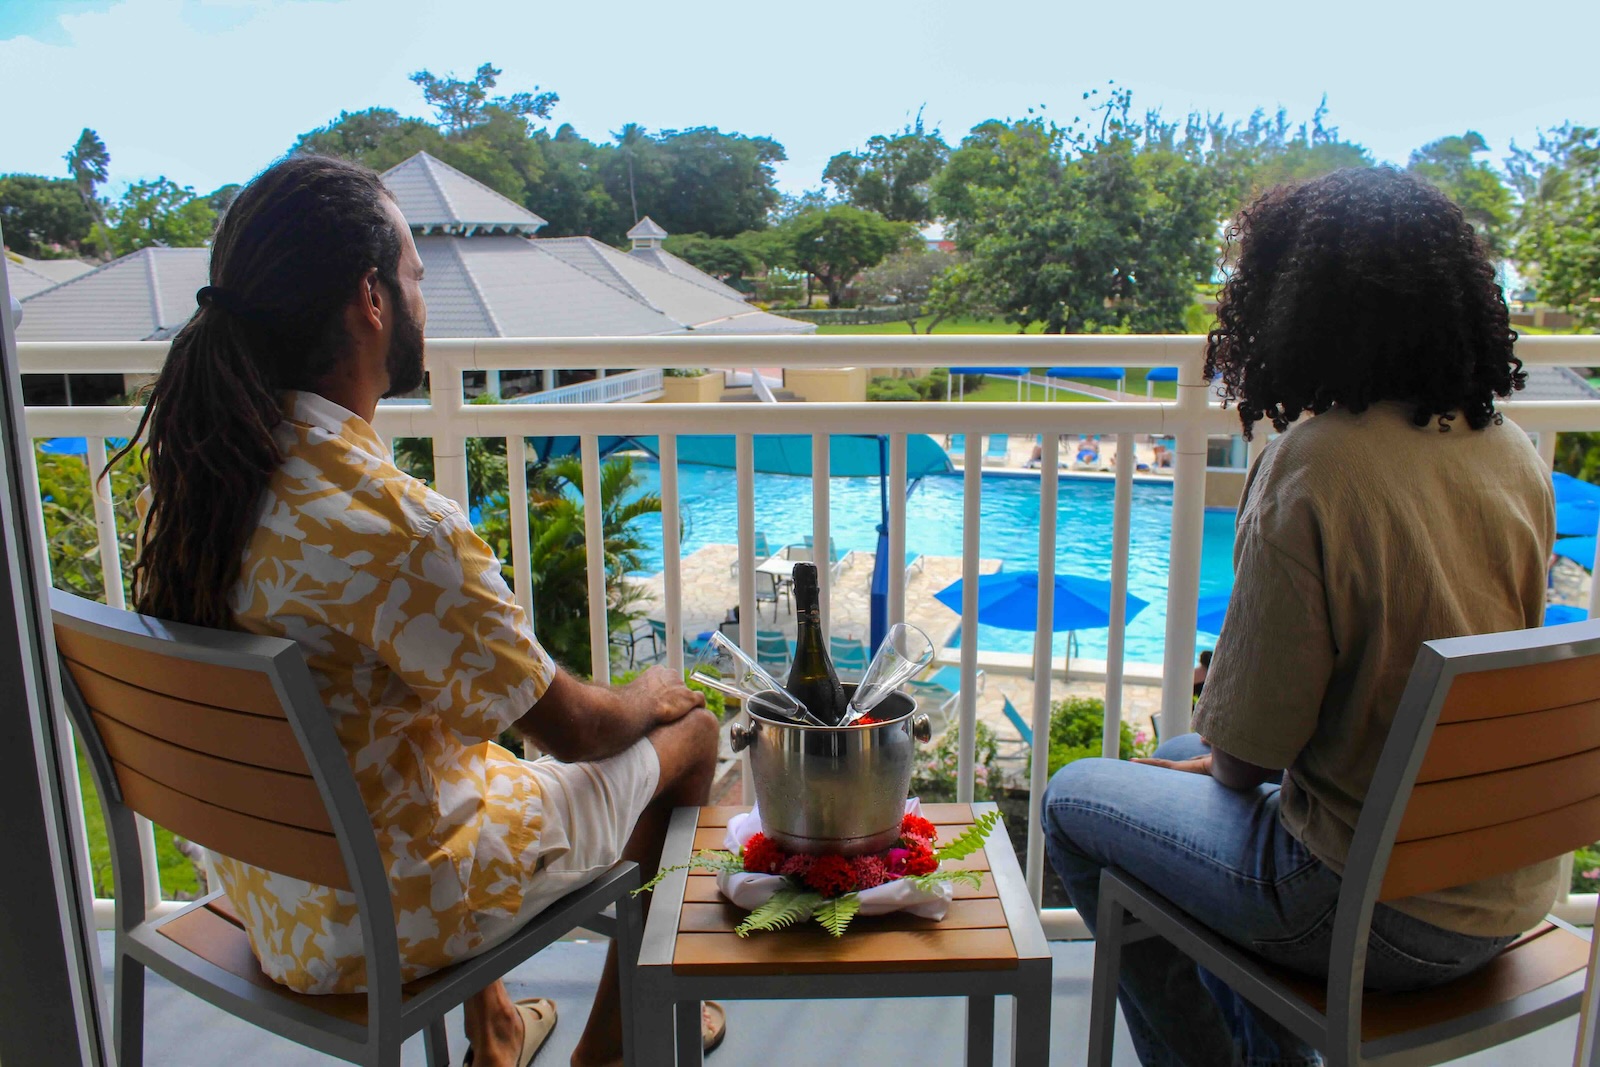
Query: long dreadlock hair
x,y
287,258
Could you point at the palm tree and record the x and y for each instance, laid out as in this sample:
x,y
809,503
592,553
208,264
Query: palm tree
x,y
628,139
90,165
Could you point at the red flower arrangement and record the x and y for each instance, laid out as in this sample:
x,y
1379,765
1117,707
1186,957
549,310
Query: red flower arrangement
x,y
834,876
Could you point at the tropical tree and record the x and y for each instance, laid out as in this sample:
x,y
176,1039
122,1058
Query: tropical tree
x,y
1100,227
71,537
837,243
90,164
729,258
906,279
893,175
1558,224
461,104
159,213
628,139
1474,185
40,214
558,554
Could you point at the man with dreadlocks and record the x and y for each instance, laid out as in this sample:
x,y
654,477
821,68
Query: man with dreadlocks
x,y
1407,510
275,508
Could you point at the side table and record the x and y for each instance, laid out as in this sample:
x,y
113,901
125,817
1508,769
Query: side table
x,y
990,944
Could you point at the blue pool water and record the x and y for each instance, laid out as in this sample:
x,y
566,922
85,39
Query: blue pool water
x,y
1009,531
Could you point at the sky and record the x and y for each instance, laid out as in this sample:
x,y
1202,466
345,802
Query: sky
x,y
208,92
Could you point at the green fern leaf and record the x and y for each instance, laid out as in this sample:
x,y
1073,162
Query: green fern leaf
x,y
785,908
964,845
928,882
835,914
707,860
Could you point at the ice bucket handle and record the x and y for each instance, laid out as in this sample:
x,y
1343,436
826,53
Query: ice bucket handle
x,y
922,729
741,736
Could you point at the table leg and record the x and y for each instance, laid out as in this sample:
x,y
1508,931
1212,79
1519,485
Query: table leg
x,y
980,1031
1030,1018
652,1029
691,1050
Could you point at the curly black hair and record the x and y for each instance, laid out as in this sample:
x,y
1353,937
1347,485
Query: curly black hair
x,y
1363,285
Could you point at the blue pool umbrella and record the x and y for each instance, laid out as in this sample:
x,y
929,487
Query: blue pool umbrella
x,y
1110,374
1010,600
1212,610
1162,374
1578,549
1556,614
1569,489
1578,518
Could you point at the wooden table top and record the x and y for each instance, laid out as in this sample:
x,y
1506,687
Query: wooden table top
x,y
976,934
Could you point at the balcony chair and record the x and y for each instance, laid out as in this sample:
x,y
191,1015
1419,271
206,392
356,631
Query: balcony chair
x,y
999,449
849,656
221,737
1491,765
763,552
773,651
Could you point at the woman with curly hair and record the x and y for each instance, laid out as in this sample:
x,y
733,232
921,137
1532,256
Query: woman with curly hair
x,y
1406,510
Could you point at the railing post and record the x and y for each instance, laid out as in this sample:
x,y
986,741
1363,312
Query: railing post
x,y
671,550
1188,536
821,529
594,550
1043,657
1121,535
967,701
448,401
105,523
521,546
745,477
897,529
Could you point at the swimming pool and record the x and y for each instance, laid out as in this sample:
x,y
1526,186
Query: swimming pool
x,y
1009,531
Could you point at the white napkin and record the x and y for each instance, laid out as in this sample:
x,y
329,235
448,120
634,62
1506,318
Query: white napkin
x,y
750,891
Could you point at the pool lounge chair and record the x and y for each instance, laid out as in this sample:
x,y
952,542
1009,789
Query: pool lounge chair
x,y
763,553
956,444
937,694
915,561
1024,731
806,552
850,657
999,449
691,645
773,652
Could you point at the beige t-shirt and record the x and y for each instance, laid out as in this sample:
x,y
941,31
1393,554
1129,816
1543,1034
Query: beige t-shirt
x,y
1359,538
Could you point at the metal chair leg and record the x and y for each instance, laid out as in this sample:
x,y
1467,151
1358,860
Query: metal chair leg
x,y
128,1012
691,1049
1111,919
1030,1019
626,935
436,1044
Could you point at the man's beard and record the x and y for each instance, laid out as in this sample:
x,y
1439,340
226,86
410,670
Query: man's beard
x,y
404,362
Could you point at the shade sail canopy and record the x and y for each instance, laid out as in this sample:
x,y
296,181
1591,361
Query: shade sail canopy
x,y
1112,374
849,455
1578,549
1010,600
1162,374
1005,372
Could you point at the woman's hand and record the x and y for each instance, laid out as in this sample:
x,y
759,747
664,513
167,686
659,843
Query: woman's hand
x,y
1198,765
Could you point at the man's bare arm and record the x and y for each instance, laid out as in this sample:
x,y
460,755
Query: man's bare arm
x,y
578,722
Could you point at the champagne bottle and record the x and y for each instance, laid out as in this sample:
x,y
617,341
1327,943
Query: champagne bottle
x,y
812,679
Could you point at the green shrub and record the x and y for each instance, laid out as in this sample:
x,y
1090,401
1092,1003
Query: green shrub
x,y
1586,870
933,779
892,389
1077,725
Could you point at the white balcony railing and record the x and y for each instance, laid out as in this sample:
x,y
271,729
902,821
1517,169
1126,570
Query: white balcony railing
x,y
631,386
448,420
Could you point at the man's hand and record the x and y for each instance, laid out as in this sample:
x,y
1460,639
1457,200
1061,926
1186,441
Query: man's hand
x,y
661,695
1198,765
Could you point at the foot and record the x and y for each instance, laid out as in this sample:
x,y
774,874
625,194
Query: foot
x,y
535,1018
713,1028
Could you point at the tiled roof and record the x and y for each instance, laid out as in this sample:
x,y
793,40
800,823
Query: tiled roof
x,y
436,198
692,303
661,259
1556,383
145,295
57,270
24,281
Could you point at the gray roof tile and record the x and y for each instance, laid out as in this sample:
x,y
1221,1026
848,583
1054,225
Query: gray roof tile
x,y
435,197
147,294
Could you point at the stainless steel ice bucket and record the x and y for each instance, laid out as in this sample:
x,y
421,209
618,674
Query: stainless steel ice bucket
x,y
823,789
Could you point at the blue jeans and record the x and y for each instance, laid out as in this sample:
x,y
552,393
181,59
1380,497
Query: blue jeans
x,y
1224,858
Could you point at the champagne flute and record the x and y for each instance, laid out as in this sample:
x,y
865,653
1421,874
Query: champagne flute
x,y
722,665
905,651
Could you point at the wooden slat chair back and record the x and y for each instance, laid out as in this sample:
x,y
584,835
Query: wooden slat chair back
x,y
222,738
1492,764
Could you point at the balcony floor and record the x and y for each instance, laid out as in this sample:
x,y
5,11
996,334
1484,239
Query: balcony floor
x,y
182,1031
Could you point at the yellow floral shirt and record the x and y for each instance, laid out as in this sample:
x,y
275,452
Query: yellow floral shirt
x,y
422,657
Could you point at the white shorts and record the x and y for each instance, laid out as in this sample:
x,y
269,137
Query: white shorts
x,y
590,810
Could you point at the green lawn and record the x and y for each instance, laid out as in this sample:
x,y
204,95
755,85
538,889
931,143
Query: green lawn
x,y
177,873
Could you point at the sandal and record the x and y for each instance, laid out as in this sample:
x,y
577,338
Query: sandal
x,y
713,1025
538,1019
